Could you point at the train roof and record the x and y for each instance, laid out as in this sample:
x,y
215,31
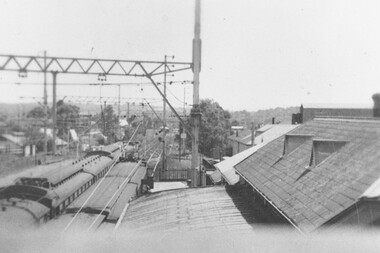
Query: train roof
x,y
122,169
127,195
139,174
21,213
68,188
98,165
28,192
81,223
107,188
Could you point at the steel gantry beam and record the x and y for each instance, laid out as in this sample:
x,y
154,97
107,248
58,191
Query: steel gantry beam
x,y
68,65
87,66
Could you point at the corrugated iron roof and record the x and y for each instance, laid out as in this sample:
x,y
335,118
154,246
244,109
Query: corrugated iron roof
x,y
193,209
310,196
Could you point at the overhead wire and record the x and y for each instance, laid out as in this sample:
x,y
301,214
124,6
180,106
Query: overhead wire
x,y
131,174
129,177
126,206
93,192
94,83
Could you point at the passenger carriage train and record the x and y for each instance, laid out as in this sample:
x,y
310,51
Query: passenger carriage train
x,y
32,200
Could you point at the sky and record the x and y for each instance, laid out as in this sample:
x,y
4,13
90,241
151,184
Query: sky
x,y
256,54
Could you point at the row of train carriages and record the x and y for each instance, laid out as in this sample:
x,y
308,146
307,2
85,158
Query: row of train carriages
x,y
54,192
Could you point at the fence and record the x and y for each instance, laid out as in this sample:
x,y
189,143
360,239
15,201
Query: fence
x,y
174,175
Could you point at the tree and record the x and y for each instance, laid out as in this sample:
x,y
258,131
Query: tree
x,y
37,113
67,116
109,123
214,128
235,123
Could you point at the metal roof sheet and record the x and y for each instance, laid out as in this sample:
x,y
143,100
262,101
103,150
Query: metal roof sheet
x,y
192,209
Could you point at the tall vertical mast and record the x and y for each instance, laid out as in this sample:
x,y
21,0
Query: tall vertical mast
x,y
164,121
45,106
195,112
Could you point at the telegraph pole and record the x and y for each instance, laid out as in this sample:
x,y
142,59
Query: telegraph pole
x,y
45,106
164,116
164,123
195,112
54,110
118,109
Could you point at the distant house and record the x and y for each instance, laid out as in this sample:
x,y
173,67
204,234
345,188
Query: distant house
x,y
325,172
263,136
12,143
58,141
240,140
311,111
15,143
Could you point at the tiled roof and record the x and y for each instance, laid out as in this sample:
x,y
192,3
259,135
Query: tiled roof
x,y
310,196
337,106
226,167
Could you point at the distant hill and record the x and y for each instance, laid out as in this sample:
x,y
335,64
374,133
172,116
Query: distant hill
x,y
13,111
281,115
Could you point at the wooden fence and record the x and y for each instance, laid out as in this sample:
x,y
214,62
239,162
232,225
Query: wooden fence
x,y
174,175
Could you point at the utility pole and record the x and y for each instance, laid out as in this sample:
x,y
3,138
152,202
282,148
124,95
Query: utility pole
x,y
127,110
164,117
164,124
118,115
45,106
118,109
54,110
104,118
195,112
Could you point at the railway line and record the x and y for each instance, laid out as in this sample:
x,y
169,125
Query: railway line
x,y
94,189
47,194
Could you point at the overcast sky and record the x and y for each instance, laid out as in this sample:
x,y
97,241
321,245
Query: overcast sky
x,y
256,54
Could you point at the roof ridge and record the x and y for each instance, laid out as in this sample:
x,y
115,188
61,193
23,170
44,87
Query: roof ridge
x,y
356,120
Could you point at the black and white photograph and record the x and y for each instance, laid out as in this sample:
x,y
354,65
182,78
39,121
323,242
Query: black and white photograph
x,y
189,126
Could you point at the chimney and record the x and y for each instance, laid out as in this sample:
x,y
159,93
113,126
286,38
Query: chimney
x,y
376,105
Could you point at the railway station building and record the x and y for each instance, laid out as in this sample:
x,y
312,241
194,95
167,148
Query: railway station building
x,y
324,173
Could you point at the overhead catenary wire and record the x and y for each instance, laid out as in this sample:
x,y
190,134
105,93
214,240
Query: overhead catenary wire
x,y
131,174
95,83
125,181
126,206
93,192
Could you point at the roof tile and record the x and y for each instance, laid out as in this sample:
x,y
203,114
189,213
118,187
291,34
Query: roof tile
x,y
312,196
